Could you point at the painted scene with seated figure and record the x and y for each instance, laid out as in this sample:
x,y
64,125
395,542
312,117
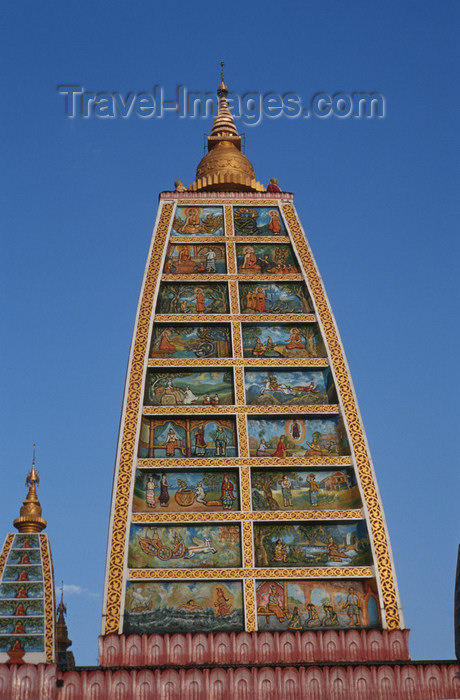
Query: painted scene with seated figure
x,y
164,607
258,221
179,491
317,604
284,340
307,544
180,437
179,340
273,387
304,489
189,259
176,387
266,259
176,298
198,221
297,437
274,298
190,546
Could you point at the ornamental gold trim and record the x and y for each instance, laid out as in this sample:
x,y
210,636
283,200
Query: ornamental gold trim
x,y
216,202
242,435
232,276
250,605
48,579
228,215
239,386
166,574
245,478
232,409
196,240
121,507
231,262
235,361
234,298
351,415
248,544
244,459
237,345
5,552
224,318
247,515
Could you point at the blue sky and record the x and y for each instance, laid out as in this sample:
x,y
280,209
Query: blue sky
x,y
377,197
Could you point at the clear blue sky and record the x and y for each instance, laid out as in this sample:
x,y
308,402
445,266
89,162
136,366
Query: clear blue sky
x,y
378,199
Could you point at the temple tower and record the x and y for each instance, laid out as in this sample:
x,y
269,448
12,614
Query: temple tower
x,y
244,496
27,608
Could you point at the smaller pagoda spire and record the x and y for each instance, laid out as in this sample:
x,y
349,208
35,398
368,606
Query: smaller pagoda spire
x,y
30,519
65,658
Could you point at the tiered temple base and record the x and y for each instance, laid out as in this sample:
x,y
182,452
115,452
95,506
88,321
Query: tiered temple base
x,y
355,665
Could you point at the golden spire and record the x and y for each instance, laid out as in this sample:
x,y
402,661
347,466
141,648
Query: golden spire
x,y
30,519
224,167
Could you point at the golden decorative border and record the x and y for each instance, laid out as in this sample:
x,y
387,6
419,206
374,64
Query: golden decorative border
x,y
352,418
228,220
248,545
239,384
237,345
5,552
250,605
331,572
234,299
242,435
231,276
129,429
225,318
248,515
231,261
48,578
245,496
246,460
232,409
235,361
196,240
233,202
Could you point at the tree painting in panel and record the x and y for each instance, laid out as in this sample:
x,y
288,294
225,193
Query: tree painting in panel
x,y
274,298
258,221
189,259
176,298
297,437
198,221
266,259
179,340
284,340
272,387
175,387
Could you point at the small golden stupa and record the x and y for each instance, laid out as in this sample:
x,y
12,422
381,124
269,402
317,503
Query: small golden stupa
x,y
224,167
30,519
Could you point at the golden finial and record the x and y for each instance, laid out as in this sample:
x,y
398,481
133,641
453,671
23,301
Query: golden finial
x,y
30,519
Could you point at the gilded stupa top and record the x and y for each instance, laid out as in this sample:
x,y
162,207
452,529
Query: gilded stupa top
x,y
224,167
30,519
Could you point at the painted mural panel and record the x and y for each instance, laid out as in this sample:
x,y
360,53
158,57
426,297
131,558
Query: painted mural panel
x,y
21,608
24,556
178,340
200,490
23,625
184,546
266,259
19,590
274,298
179,437
258,221
198,221
188,606
175,387
306,544
291,387
189,259
176,298
317,604
304,489
302,340
23,573
26,643
28,541
297,437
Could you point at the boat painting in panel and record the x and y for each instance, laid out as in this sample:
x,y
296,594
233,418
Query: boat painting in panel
x,y
272,387
190,546
190,606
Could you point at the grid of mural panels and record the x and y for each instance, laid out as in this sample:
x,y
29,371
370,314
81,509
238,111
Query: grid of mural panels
x,y
22,597
246,510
